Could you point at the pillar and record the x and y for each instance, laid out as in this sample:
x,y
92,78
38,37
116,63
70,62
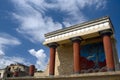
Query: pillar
x,y
52,47
76,54
108,49
15,74
31,70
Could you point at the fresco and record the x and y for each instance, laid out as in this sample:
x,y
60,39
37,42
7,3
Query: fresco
x,y
92,56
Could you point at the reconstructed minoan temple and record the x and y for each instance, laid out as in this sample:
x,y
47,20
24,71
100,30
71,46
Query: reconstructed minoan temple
x,y
85,51
83,48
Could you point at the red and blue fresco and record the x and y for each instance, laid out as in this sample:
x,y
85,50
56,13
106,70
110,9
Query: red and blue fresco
x,y
92,56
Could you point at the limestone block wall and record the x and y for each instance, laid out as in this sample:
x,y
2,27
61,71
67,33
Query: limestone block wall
x,y
64,60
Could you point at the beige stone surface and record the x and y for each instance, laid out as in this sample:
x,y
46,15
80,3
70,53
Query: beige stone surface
x,y
64,60
18,66
44,73
2,73
88,76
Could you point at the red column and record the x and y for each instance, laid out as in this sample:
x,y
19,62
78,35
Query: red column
x,y
15,74
108,50
76,54
52,58
31,70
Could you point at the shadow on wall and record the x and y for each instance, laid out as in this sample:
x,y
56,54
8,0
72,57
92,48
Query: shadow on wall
x,y
65,56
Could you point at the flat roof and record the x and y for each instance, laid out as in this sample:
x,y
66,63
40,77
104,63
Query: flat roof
x,y
85,30
79,25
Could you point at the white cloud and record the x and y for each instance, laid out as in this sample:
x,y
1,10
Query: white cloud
x,y
34,23
41,57
35,27
5,61
7,40
1,53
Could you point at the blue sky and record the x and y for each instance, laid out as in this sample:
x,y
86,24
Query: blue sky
x,y
23,24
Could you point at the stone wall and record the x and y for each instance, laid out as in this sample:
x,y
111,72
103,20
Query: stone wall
x,y
88,76
64,60
44,73
2,73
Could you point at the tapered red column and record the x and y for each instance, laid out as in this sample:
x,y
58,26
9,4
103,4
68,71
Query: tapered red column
x,y
52,47
31,70
108,50
76,54
15,74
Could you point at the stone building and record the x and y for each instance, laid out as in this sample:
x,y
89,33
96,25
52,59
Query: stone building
x,y
85,51
17,70
2,73
84,48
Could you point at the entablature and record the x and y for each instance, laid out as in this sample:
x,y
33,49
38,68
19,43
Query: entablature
x,y
85,30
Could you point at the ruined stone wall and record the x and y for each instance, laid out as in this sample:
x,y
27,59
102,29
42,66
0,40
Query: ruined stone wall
x,y
64,60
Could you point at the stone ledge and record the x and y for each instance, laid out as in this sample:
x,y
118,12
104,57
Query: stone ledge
x,y
87,76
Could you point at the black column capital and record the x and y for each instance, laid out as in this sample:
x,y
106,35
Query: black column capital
x,y
53,45
76,39
106,32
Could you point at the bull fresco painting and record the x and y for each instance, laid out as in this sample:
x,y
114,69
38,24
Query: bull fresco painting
x,y
92,56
